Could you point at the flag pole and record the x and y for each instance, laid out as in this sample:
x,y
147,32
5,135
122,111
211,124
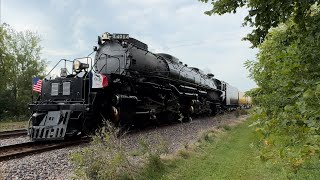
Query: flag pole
x,y
32,89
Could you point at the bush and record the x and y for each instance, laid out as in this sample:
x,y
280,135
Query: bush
x,y
104,159
107,158
154,165
287,98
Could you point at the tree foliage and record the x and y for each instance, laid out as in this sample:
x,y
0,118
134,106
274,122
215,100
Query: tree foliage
x,y
288,98
263,14
19,62
287,73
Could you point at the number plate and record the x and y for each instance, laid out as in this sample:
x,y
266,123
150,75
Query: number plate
x,y
120,36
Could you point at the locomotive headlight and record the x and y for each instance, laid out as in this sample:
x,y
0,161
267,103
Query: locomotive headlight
x,y
76,65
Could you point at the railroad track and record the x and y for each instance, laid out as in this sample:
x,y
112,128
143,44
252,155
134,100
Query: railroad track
x,y
27,148
13,133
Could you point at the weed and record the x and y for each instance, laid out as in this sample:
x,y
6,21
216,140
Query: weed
x,y
1,174
186,145
237,113
105,158
184,153
207,136
154,166
225,127
243,111
240,112
153,152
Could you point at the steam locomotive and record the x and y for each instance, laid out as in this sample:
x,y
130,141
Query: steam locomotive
x,y
125,84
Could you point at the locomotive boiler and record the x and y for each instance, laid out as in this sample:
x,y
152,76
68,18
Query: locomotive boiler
x,y
125,84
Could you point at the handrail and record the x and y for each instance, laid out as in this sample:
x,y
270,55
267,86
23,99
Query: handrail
x,y
65,60
84,77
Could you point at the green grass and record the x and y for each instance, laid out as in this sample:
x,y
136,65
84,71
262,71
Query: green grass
x,y
230,155
11,125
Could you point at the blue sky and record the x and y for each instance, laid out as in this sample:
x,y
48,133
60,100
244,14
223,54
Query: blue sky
x,y
69,29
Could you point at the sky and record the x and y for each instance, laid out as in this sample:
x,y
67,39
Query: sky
x,y
69,30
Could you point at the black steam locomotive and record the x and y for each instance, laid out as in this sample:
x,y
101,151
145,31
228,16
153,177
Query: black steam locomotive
x,y
125,84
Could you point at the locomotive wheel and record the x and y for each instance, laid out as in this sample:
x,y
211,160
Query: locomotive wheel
x,y
168,117
216,109
115,115
85,129
187,119
90,125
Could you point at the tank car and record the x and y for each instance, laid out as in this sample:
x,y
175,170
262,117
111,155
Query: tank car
x,y
244,101
139,87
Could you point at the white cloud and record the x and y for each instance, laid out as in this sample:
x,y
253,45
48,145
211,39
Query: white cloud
x,y
57,52
69,29
61,5
79,23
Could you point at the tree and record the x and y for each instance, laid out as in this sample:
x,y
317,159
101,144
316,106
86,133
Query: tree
x,y
287,72
263,14
288,98
19,61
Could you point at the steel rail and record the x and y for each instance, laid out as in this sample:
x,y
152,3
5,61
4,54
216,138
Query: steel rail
x,y
13,133
23,149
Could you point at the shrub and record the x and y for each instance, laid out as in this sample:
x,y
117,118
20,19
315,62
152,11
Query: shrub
x,y
287,109
104,159
107,158
153,153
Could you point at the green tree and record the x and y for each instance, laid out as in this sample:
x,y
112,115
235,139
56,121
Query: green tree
x,y
287,73
263,14
288,76
19,61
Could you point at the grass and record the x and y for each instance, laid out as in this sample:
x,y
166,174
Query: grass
x,y
11,125
228,155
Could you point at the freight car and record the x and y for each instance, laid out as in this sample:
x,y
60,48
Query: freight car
x,y
244,101
125,84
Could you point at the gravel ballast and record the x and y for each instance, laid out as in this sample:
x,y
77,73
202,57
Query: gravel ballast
x,y
17,140
56,165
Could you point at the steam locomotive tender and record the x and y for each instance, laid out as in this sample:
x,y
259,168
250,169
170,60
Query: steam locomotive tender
x,y
142,87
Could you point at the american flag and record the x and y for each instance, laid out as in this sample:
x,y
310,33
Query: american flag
x,y
37,84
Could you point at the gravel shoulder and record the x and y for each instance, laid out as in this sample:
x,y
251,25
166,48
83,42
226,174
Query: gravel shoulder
x,y
56,165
